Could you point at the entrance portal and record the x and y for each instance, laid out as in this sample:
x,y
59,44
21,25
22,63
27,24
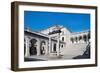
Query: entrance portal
x,y
33,47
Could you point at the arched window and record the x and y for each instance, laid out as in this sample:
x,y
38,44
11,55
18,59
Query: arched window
x,y
62,46
62,38
43,42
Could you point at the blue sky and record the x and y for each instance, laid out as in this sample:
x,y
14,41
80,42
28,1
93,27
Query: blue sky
x,y
75,22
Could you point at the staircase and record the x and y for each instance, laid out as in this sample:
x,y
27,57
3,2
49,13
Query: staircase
x,y
73,50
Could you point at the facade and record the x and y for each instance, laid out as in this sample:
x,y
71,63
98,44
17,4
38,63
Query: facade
x,y
55,41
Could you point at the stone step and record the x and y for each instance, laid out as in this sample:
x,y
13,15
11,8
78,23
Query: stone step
x,y
74,49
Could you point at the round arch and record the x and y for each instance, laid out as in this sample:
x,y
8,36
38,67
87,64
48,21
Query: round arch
x,y
84,38
76,39
33,46
42,47
80,38
72,39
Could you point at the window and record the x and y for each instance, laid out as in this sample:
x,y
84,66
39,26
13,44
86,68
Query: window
x,y
62,38
62,46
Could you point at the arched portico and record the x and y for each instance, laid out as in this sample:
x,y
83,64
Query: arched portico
x,y
83,38
31,46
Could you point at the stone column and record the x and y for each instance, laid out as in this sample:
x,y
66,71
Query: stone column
x,y
49,44
27,47
52,46
87,39
38,47
46,48
78,39
58,43
82,39
74,40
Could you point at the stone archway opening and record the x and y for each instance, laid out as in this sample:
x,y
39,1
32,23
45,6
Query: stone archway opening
x,y
42,47
80,38
72,40
33,47
54,47
85,38
76,39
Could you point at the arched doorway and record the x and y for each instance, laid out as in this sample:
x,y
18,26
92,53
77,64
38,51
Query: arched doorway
x,y
33,47
54,48
42,47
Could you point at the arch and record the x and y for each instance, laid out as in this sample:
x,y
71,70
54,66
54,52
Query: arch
x,y
42,47
62,46
72,40
84,38
54,47
76,39
62,38
80,38
33,47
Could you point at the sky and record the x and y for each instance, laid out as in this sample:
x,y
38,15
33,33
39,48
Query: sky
x,y
74,22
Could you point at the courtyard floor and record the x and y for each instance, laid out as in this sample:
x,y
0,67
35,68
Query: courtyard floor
x,y
47,57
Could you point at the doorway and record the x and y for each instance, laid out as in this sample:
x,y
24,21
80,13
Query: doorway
x,y
54,48
33,47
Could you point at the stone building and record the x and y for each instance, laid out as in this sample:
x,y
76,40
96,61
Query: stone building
x,y
56,40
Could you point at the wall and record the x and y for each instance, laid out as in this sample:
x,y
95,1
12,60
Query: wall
x,y
5,40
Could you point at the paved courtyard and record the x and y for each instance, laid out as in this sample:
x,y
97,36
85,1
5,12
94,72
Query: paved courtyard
x,y
47,57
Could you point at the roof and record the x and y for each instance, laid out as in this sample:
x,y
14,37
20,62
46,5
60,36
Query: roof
x,y
41,34
37,33
86,31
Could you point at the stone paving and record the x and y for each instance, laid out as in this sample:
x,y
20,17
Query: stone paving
x,y
48,57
